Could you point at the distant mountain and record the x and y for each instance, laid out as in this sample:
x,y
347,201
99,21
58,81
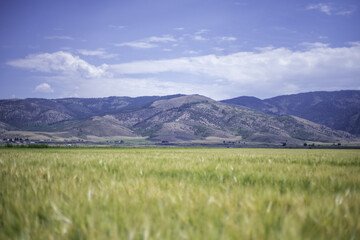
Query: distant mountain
x,y
338,110
168,118
195,117
36,114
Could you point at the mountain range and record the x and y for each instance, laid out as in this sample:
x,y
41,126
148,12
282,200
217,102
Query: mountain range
x,y
338,110
317,116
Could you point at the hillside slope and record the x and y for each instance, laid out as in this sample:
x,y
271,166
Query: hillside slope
x,y
195,117
36,114
338,110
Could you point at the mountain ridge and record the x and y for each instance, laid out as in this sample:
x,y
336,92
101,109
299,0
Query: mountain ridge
x,y
159,118
338,110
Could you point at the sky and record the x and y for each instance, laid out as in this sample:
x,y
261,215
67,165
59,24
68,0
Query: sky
x,y
217,48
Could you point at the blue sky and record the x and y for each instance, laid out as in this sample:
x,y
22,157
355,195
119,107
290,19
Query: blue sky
x,y
217,48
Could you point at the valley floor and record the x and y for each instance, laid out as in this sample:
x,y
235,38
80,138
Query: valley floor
x,y
179,193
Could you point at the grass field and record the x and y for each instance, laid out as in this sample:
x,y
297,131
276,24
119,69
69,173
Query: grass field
x,y
154,193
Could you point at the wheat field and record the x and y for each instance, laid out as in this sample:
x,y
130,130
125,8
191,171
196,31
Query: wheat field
x,y
174,193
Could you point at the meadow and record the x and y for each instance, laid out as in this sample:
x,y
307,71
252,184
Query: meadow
x,y
174,193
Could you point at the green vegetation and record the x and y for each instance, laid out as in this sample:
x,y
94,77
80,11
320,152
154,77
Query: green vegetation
x,y
167,193
151,132
201,131
37,145
302,135
52,127
139,140
244,133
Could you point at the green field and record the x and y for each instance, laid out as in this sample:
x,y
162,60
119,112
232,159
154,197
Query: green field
x,y
153,193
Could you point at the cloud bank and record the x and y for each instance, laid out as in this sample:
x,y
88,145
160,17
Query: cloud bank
x,y
268,65
60,62
265,72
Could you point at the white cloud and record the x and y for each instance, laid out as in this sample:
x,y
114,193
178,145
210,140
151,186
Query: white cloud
x,y
242,65
164,38
270,70
354,44
179,29
265,49
58,37
263,73
345,12
44,88
136,45
192,52
227,38
60,62
201,31
322,7
197,36
315,45
100,52
97,52
148,42
200,38
330,8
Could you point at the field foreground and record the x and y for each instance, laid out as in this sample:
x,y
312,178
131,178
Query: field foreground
x,y
158,193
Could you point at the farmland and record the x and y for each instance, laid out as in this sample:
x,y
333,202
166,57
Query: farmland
x,y
179,193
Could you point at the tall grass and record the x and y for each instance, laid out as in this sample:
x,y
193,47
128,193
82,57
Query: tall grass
x,y
179,194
